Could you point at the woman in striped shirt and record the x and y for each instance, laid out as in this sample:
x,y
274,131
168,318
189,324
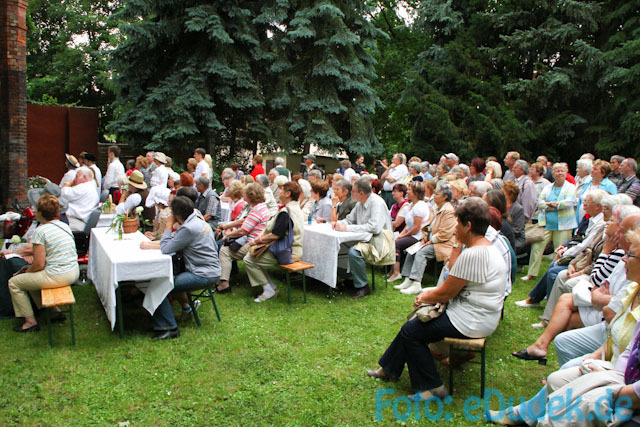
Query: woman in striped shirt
x,y
55,264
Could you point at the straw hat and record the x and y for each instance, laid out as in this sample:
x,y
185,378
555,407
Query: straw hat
x,y
136,179
72,160
160,157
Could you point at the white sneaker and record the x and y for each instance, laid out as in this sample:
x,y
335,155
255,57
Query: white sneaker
x,y
403,285
524,303
415,288
394,278
539,325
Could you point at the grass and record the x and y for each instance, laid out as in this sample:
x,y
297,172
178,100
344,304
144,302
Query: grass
x,y
264,364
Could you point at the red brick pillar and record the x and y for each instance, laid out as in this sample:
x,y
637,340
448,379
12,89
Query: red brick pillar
x,y
13,102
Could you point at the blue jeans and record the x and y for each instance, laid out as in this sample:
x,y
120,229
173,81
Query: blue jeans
x,y
163,318
543,288
358,267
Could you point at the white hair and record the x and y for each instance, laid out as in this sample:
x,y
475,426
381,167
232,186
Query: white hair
x,y
306,187
280,180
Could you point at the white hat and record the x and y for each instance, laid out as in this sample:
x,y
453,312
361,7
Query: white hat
x,y
158,194
160,157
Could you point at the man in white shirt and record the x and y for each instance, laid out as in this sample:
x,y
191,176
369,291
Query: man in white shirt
x,y
392,176
202,168
369,215
161,174
90,161
114,171
82,198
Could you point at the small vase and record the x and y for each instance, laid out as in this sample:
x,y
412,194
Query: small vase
x,y
130,225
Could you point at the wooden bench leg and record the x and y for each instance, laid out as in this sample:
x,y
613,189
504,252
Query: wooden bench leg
x,y
196,317
482,373
373,279
73,329
215,307
304,286
49,331
451,352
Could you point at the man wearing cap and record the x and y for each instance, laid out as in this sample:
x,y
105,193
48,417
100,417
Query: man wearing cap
x,y
136,195
451,159
90,161
202,168
310,162
161,174
82,198
114,171
71,163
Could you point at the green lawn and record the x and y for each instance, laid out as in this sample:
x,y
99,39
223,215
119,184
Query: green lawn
x,y
263,364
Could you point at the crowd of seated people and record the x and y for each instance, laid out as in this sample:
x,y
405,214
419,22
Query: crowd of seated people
x,y
472,220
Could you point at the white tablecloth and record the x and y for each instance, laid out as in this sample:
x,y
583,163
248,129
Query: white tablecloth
x,y
226,211
112,260
320,247
105,220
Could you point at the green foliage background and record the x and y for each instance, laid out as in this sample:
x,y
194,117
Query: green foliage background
x,y
472,76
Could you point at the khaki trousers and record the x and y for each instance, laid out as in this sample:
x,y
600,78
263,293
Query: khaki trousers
x,y
537,249
227,256
34,282
562,285
593,390
255,267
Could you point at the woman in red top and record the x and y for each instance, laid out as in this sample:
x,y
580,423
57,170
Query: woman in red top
x,y
257,166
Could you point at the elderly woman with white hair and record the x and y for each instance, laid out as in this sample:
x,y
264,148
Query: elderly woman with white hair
x,y
306,202
494,170
279,182
272,175
226,177
263,180
583,173
415,169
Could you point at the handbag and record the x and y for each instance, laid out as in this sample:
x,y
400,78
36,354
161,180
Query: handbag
x,y
427,312
282,248
582,294
533,233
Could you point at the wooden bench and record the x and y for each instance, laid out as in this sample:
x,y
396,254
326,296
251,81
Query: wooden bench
x,y
473,345
56,297
297,267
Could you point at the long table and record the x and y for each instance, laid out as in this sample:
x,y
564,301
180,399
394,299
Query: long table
x,y
112,261
321,247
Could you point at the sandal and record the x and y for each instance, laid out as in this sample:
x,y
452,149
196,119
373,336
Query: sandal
x,y
524,355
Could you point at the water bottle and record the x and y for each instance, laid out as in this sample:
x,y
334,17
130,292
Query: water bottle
x,y
310,218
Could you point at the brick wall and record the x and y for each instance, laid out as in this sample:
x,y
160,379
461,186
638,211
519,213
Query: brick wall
x,y
13,102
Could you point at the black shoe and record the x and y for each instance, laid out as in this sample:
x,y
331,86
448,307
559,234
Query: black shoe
x,y
524,355
34,328
58,318
226,290
361,292
163,335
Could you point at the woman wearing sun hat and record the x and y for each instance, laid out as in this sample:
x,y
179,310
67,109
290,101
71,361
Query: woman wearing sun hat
x,y
71,163
136,195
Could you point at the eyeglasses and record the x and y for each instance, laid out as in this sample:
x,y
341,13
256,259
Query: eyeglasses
x,y
630,255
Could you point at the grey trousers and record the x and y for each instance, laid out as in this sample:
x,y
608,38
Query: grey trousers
x,y
414,265
562,285
578,342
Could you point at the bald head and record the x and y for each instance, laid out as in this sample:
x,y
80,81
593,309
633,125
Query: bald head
x,y
630,223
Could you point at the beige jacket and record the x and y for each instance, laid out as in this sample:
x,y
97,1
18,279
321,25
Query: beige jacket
x,y
443,231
